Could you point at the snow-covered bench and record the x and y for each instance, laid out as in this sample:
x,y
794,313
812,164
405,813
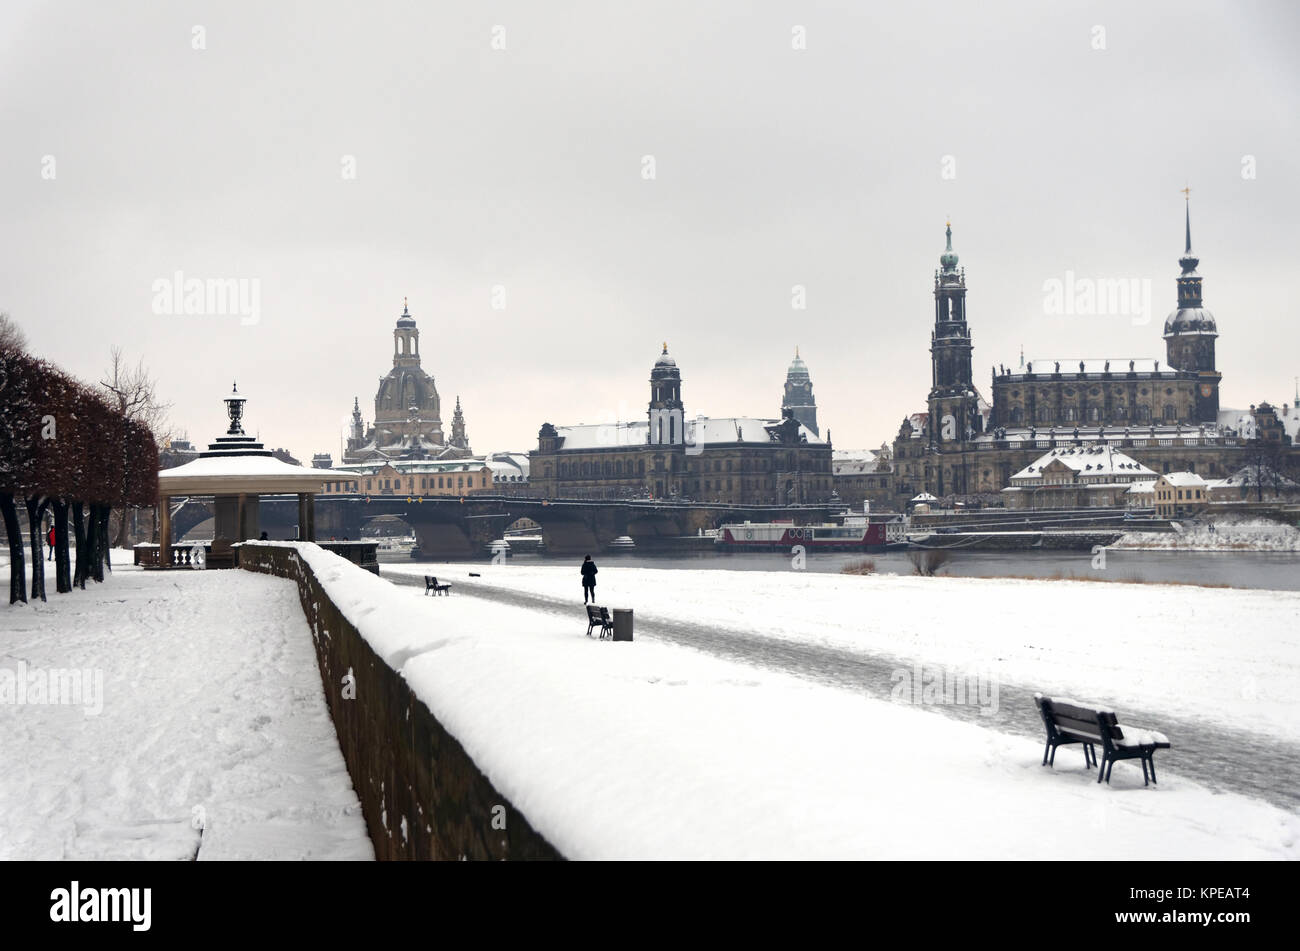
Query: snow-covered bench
x,y
1068,721
597,615
431,584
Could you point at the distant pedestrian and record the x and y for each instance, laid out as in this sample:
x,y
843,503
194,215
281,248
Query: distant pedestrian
x,y
588,580
50,538
263,538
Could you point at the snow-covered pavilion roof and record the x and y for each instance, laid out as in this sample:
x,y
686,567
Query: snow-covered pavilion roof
x,y
234,474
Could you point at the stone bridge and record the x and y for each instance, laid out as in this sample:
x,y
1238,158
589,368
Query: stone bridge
x,y
450,526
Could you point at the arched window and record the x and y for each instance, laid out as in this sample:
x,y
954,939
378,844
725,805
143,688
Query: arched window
x,y
1171,413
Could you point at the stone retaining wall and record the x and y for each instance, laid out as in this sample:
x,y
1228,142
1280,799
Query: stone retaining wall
x,y
422,795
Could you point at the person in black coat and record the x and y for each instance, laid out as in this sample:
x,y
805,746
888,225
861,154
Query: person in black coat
x,y
588,580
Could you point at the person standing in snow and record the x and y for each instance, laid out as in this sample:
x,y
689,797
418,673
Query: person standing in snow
x,y
588,580
50,538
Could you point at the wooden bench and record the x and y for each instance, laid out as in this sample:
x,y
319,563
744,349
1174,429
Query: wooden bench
x,y
431,584
597,615
1070,722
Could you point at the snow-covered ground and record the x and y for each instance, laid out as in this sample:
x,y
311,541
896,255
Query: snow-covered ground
x,y
1228,534
211,699
213,740
1158,648
650,750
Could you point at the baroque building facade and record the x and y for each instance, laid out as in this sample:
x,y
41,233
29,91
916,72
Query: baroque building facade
x,y
1166,415
408,411
740,460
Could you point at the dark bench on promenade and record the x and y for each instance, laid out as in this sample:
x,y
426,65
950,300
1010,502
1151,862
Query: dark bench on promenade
x,y
1070,722
596,615
431,584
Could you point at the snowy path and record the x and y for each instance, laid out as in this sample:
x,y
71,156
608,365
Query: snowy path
x,y
1216,756
214,741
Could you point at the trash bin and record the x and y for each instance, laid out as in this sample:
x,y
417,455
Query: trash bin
x,y
622,624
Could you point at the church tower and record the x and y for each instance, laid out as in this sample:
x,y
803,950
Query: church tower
x,y
798,401
954,407
358,428
666,412
458,438
406,340
1190,332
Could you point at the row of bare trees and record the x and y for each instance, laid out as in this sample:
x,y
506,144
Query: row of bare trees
x,y
69,452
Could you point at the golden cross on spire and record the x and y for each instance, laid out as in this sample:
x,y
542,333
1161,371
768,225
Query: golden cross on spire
x,y
665,346
1187,193
403,303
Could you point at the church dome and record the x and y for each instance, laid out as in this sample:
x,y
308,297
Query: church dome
x,y
949,257
665,360
406,320
797,368
405,387
1190,320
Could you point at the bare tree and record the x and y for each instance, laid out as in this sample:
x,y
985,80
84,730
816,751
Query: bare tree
x,y
11,335
133,393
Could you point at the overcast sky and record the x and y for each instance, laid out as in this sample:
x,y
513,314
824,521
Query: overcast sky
x,y
1056,136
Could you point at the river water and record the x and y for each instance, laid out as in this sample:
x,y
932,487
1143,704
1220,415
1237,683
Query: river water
x,y
1273,570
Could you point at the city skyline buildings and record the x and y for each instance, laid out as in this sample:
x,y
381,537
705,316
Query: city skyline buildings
x,y
794,198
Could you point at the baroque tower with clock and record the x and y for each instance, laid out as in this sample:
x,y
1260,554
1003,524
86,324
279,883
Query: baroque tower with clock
x,y
954,405
1190,332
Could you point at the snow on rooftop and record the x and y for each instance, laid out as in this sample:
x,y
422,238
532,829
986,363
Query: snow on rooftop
x,y
702,430
1183,479
233,465
1087,462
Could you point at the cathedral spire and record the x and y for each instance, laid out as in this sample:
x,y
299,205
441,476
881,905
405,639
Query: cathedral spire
x,y
1189,260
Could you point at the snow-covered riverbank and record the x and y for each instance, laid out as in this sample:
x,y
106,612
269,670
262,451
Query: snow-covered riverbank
x,y
1167,648
611,750
1219,535
654,750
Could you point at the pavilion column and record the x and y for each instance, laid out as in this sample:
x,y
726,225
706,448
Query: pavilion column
x,y
240,533
164,531
311,516
302,516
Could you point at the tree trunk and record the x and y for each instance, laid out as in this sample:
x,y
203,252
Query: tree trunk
x,y
17,563
35,516
83,545
107,549
62,570
122,529
96,529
